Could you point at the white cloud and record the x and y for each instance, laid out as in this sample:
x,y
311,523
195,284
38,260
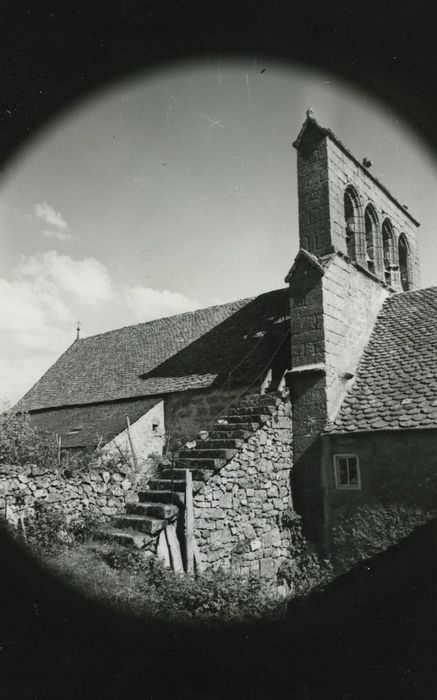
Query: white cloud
x,y
45,295
54,218
58,235
146,303
85,281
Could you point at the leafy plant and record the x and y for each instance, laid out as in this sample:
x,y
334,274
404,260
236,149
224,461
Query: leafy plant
x,y
21,442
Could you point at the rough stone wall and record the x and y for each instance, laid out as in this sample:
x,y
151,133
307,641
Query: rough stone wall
x,y
324,173
332,313
343,171
98,491
351,303
398,491
313,194
238,514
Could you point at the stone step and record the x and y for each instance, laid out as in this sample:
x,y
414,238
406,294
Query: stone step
x,y
200,453
227,434
127,537
200,463
256,410
178,484
198,474
270,399
221,443
161,497
158,510
143,523
248,426
247,418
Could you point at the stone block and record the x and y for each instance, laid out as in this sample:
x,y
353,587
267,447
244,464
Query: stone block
x,y
267,567
249,531
226,501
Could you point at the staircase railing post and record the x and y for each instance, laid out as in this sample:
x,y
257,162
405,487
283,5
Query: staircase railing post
x,y
229,393
189,520
172,478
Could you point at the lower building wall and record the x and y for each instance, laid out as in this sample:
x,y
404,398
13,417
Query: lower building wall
x,y
188,412
240,514
146,436
398,491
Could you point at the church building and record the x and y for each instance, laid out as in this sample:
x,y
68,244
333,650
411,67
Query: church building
x,y
318,398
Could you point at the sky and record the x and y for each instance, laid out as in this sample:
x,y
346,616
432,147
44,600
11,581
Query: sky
x,y
176,190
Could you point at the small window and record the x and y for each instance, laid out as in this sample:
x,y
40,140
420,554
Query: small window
x,y
388,247
347,472
404,263
371,228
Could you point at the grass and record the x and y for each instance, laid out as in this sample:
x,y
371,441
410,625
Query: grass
x,y
132,583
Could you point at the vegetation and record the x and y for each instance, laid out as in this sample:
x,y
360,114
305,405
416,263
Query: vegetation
x,y
22,443
136,582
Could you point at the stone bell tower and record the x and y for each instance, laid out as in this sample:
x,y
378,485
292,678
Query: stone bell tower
x,y
343,207
358,245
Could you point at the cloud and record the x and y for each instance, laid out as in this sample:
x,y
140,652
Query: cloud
x,y
85,281
42,300
146,303
58,234
54,218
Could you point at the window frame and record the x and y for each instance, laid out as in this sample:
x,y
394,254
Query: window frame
x,y
349,486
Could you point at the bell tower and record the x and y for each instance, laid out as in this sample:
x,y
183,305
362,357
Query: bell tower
x,y
343,207
358,245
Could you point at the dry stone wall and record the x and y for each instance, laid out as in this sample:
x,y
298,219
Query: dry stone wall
x,y
100,492
239,513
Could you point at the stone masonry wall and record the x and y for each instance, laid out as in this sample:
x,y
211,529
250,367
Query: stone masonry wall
x,y
343,171
351,302
313,194
238,514
188,412
398,491
99,491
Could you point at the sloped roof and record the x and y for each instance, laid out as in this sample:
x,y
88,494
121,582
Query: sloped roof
x,y
83,426
396,381
189,351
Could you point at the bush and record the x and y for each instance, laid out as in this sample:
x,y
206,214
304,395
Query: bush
x,y
138,583
49,531
22,443
305,573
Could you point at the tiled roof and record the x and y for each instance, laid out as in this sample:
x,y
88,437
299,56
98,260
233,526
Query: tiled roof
x,y
396,381
83,426
189,351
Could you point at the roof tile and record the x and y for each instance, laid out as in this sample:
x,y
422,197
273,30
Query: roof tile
x,y
396,381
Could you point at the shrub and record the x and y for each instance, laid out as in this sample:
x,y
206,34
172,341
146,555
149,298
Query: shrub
x,y
211,596
305,573
22,443
49,531
364,530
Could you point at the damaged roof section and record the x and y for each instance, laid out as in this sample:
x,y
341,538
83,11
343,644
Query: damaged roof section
x,y
396,382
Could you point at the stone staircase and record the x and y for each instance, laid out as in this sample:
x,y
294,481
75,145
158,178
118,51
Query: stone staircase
x,y
162,502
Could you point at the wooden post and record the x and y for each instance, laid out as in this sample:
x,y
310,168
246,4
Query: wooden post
x,y
129,437
189,520
174,548
162,550
59,450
